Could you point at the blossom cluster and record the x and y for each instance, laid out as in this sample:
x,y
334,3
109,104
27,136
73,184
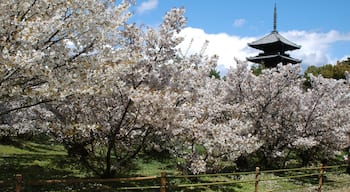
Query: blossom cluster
x,y
107,90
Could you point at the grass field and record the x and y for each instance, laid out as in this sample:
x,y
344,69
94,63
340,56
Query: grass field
x,y
36,161
48,160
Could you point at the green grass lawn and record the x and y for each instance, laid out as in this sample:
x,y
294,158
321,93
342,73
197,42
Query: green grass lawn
x,y
35,161
47,160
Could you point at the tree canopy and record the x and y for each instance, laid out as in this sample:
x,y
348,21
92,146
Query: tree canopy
x,y
109,90
336,71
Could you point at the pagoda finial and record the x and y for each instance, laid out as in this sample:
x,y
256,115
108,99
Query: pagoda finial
x,y
275,18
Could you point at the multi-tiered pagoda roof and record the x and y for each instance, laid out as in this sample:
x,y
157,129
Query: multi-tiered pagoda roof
x,y
274,47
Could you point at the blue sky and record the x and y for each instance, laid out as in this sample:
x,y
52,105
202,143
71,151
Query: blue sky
x,y
321,27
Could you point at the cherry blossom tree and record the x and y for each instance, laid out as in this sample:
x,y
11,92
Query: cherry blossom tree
x,y
323,121
107,126
153,97
108,90
47,49
209,130
286,117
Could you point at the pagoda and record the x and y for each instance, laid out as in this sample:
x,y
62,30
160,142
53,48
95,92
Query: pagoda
x,y
274,47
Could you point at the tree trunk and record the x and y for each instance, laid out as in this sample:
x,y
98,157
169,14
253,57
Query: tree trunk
x,y
108,172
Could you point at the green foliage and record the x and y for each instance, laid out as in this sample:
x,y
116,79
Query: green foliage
x,y
336,71
257,69
214,73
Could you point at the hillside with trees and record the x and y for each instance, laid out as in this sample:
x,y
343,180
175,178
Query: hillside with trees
x,y
336,71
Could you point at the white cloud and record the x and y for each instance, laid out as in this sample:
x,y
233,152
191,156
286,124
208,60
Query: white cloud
x,y
316,47
315,50
147,6
239,22
225,46
345,57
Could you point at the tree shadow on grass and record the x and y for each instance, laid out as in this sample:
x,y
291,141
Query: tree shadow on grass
x,y
36,166
48,167
33,167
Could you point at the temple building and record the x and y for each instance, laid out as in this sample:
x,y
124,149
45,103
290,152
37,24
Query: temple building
x,y
274,47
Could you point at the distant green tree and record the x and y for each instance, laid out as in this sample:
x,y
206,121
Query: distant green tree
x,y
257,69
215,73
336,71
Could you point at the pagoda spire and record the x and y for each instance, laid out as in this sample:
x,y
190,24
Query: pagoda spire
x,y
274,47
275,18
